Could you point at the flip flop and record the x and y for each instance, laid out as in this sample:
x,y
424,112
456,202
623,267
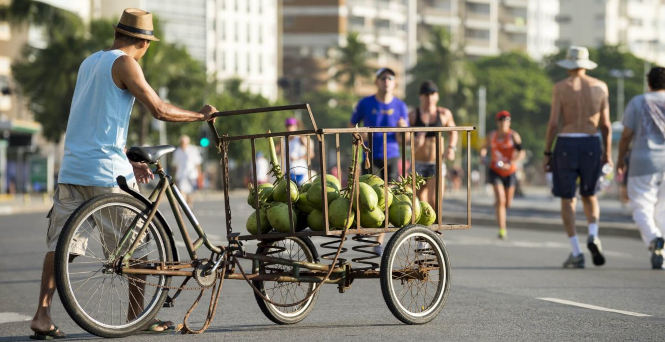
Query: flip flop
x,y
52,334
165,325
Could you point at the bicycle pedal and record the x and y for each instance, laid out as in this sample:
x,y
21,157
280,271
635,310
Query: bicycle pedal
x,y
169,302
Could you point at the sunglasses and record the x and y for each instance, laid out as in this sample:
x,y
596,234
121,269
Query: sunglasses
x,y
388,78
505,118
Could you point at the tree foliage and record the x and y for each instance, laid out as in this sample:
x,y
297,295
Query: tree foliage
x,y
519,85
448,68
352,62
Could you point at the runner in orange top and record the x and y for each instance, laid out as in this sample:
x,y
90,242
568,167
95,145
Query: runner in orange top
x,y
505,147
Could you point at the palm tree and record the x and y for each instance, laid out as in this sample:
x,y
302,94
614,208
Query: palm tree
x,y
352,61
447,67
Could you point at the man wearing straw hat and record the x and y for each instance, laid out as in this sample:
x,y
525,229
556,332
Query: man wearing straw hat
x,y
108,81
579,110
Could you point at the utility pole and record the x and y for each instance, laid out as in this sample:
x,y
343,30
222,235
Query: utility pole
x,y
620,75
482,115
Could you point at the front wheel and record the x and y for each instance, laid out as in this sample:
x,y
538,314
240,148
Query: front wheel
x,y
98,297
415,275
291,248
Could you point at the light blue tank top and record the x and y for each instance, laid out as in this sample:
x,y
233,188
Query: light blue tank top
x,y
97,127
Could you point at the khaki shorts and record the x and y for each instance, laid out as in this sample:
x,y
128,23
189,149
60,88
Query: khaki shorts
x,y
66,199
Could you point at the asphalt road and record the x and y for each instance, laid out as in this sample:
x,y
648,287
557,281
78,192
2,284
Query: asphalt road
x,y
501,290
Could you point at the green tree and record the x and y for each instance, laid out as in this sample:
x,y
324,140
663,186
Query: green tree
x,y
61,23
519,85
448,68
352,62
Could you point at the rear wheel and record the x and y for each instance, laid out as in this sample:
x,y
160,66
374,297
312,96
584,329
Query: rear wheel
x,y
415,275
291,248
96,295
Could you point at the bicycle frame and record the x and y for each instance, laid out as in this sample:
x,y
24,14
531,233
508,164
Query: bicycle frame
x,y
176,202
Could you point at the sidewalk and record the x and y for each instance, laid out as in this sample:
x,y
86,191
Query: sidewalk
x,y
537,210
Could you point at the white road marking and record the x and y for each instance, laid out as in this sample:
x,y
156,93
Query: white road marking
x,y
7,317
593,307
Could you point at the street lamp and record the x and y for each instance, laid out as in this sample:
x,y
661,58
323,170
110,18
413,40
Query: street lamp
x,y
620,74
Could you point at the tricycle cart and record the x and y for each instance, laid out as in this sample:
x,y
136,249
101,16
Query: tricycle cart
x,y
122,241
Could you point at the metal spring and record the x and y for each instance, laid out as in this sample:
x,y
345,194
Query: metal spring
x,y
366,244
332,245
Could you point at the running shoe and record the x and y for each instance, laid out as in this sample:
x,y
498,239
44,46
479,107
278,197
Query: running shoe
x,y
574,261
596,249
502,234
656,248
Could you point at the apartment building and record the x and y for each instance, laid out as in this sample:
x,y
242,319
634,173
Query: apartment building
x,y
490,27
636,24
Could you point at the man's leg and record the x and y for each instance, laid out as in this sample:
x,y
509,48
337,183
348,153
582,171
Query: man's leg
x,y
42,322
576,258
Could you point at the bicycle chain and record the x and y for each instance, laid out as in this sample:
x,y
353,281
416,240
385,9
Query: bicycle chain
x,y
184,288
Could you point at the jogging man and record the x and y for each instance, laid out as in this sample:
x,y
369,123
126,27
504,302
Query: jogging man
x,y
579,110
107,84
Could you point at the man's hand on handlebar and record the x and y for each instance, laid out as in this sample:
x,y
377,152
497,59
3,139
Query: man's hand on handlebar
x,y
207,112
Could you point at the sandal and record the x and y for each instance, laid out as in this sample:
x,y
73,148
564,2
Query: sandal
x,y
52,334
156,325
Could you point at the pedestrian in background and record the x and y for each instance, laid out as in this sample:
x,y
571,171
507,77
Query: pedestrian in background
x,y
505,149
187,164
382,109
644,128
106,86
429,114
579,110
300,152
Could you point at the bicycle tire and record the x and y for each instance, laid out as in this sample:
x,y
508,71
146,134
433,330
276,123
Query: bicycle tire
x,y
427,255
117,211
284,315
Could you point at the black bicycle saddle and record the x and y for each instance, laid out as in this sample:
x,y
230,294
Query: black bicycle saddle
x,y
148,154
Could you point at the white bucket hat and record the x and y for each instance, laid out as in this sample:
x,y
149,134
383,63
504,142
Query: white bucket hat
x,y
576,58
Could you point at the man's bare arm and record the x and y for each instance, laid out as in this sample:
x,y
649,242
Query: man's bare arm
x,y
130,75
553,123
605,127
624,144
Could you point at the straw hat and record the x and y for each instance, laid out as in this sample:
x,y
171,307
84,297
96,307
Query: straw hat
x,y
576,58
136,23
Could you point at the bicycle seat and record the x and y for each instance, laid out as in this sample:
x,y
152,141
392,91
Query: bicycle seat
x,y
148,154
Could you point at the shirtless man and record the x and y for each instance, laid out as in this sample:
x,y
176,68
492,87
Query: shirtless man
x,y
428,114
579,110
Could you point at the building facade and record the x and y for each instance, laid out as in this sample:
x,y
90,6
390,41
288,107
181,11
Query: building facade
x,y
638,25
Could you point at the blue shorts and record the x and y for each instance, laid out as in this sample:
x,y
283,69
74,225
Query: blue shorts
x,y
575,158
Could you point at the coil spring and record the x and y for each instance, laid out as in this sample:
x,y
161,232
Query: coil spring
x,y
332,245
366,245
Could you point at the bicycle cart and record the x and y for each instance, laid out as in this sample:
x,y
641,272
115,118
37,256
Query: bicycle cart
x,y
116,257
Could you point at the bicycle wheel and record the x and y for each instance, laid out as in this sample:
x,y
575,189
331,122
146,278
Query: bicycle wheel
x,y
291,248
415,275
101,300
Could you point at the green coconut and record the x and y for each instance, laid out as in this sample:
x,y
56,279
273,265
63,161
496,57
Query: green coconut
x,y
427,214
265,194
279,193
400,214
407,199
278,216
315,220
372,219
380,199
303,204
314,193
371,179
338,213
329,178
367,197
251,223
